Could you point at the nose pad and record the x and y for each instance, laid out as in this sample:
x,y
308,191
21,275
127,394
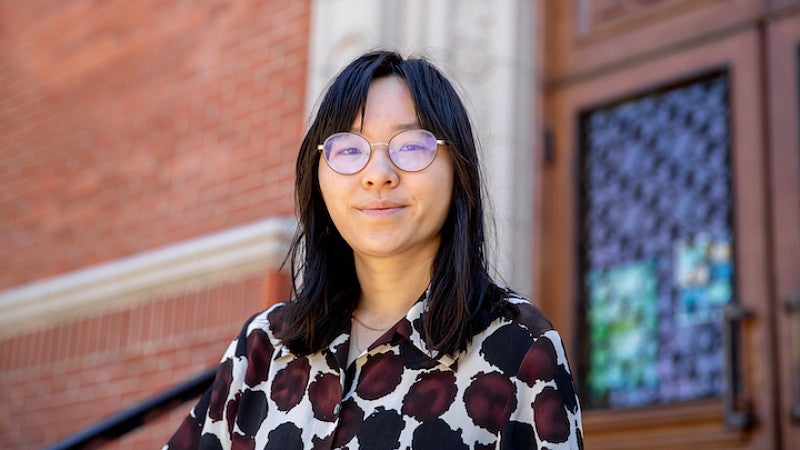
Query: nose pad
x,y
380,170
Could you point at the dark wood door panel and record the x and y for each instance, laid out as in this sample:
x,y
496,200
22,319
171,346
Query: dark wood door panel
x,y
588,36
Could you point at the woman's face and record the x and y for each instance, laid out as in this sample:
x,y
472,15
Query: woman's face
x,y
383,211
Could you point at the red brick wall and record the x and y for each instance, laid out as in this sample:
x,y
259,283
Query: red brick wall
x,y
61,378
125,126
128,126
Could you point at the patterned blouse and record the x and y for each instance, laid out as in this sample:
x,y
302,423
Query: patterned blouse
x,y
511,389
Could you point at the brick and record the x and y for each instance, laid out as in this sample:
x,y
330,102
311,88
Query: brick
x,y
175,139
138,133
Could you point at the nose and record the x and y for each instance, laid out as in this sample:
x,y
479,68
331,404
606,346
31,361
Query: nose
x,y
380,171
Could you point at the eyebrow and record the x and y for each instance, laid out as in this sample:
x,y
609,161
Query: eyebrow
x,y
407,126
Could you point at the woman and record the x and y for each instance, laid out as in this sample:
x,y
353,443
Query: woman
x,y
396,336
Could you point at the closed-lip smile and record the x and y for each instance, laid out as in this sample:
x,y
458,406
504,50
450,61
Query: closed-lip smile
x,y
379,206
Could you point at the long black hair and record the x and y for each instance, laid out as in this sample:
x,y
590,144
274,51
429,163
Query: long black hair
x,y
463,299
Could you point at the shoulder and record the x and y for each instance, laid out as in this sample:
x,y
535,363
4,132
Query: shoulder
x,y
271,320
538,353
517,327
522,343
261,330
522,312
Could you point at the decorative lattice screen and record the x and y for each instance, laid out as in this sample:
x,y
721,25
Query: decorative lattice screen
x,y
656,244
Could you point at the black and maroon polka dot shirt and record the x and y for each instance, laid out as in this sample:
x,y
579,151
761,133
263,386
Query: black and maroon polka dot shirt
x,y
511,389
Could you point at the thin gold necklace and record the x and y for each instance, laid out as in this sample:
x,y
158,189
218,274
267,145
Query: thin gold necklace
x,y
356,335
358,344
369,327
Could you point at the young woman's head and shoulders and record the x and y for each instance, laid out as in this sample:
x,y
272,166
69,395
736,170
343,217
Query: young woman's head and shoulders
x,y
396,334
389,200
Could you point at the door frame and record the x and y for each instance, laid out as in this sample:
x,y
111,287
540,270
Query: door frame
x,y
783,69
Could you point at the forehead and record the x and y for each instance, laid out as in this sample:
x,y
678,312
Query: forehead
x,y
388,105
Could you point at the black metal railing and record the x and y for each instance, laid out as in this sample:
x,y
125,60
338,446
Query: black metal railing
x,y
139,414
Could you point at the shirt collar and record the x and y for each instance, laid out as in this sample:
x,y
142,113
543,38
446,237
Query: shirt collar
x,y
410,329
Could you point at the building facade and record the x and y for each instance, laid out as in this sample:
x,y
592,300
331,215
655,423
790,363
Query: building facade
x,y
643,172
147,164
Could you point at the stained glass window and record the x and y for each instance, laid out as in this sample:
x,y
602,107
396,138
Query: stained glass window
x,y
656,244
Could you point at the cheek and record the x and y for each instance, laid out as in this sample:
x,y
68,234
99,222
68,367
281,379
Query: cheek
x,y
442,194
333,193
326,187
447,182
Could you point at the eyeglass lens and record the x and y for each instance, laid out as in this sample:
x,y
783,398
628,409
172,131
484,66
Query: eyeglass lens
x,y
411,151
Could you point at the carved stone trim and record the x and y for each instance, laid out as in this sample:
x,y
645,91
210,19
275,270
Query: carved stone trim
x,y
208,260
486,48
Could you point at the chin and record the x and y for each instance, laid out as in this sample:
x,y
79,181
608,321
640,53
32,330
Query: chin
x,y
378,251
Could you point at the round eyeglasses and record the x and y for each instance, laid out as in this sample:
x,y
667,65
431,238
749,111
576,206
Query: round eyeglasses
x,y
410,150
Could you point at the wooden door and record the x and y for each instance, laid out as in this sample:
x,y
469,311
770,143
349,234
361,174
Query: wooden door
x,y
714,75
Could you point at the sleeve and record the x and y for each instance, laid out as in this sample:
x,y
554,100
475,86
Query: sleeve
x,y
207,425
547,397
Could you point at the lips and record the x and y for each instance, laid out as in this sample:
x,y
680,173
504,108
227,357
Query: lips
x,y
378,205
380,208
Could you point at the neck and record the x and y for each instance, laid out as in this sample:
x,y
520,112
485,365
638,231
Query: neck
x,y
389,287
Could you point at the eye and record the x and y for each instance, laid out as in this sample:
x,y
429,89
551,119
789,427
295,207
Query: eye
x,y
347,151
411,146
